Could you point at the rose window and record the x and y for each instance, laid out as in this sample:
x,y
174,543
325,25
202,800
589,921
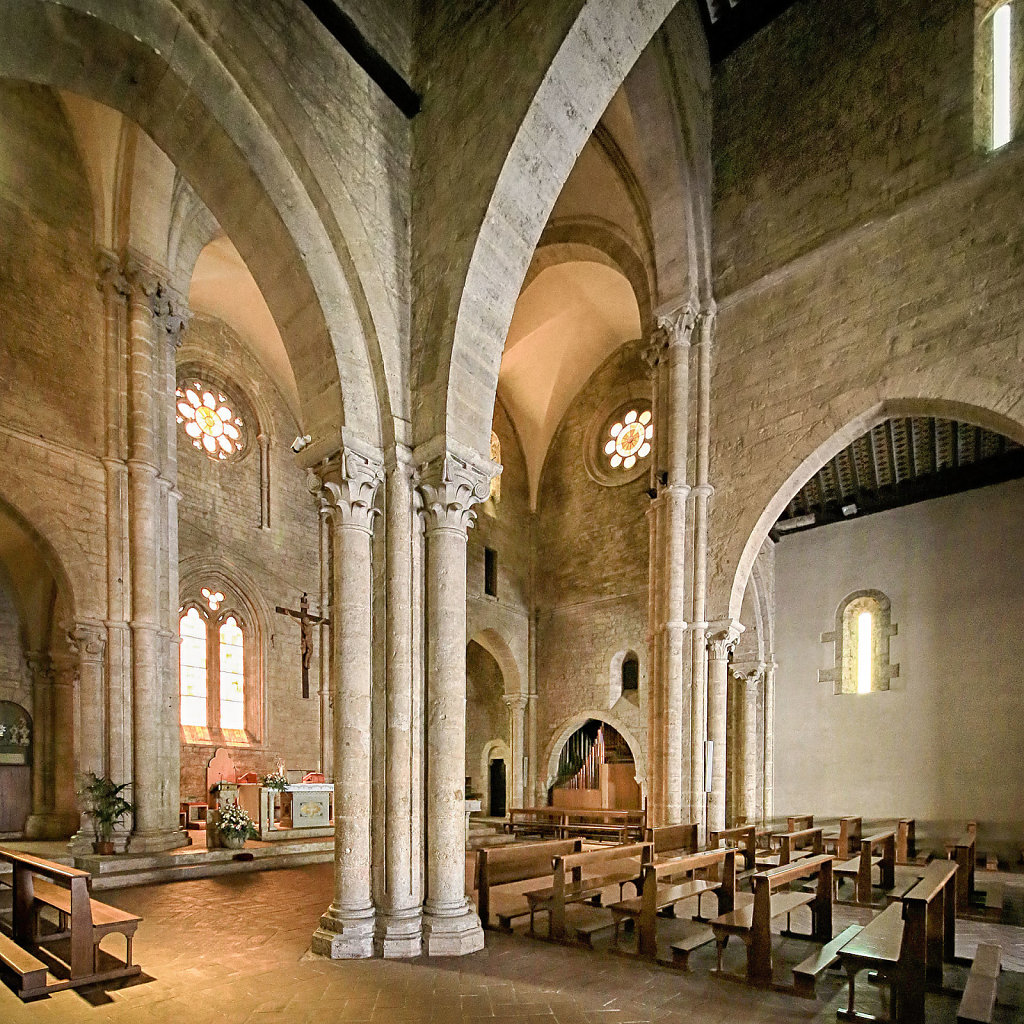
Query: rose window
x,y
209,419
630,439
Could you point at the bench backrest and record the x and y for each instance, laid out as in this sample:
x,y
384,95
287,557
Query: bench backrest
x,y
517,862
590,859
906,841
765,882
672,837
530,814
724,859
792,841
798,822
742,837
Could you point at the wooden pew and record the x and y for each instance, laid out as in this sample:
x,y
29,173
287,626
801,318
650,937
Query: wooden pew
x,y
615,865
541,821
517,862
804,842
742,838
672,840
906,841
799,822
979,999
28,970
752,921
83,921
670,882
963,851
877,946
859,868
603,823
843,842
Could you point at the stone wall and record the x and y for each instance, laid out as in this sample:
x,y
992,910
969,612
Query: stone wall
x,y
942,743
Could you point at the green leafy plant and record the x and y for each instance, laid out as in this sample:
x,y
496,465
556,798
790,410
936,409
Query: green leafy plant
x,y
235,822
275,780
102,801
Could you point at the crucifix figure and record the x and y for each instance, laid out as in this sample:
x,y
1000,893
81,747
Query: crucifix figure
x,y
305,635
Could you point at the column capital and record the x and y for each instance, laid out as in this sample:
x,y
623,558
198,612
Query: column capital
x,y
347,484
516,701
677,326
88,640
722,637
706,322
452,479
110,276
171,315
747,671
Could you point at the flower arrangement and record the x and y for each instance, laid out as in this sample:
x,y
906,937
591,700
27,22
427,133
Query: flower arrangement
x,y
234,823
275,780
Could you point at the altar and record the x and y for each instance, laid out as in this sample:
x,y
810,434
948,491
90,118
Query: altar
x,y
300,809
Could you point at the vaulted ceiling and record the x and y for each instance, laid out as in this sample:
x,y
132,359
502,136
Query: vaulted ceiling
x,y
899,462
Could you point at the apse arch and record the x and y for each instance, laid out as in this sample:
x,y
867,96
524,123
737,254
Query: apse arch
x,y
168,80
554,747
820,449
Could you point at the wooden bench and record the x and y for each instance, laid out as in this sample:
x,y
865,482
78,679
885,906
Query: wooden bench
x,y
906,841
979,999
843,842
670,882
805,974
83,921
860,867
615,865
804,842
742,838
602,823
878,947
541,821
752,921
963,851
28,970
517,862
672,840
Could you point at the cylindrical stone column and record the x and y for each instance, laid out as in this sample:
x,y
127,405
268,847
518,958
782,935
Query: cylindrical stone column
x,y
400,924
768,791
323,628
88,642
746,769
347,928
450,487
42,822
516,704
720,644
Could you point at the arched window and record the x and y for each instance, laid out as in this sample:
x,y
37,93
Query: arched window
x,y
630,672
495,494
215,666
999,72
861,644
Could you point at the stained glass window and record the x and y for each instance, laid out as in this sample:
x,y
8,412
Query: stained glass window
x,y
209,420
629,439
192,668
232,675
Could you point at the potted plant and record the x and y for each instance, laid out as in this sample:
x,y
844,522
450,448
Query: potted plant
x,y
234,826
102,802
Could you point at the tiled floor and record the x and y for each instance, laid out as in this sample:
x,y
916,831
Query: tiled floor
x,y
233,950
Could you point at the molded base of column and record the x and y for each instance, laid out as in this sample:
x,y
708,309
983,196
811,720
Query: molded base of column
x,y
50,825
452,935
158,841
344,934
400,934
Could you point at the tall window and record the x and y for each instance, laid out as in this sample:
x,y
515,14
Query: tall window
x,y
496,457
1002,75
212,664
864,653
861,643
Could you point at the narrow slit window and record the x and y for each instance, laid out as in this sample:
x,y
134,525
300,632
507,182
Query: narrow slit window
x,y
490,572
864,652
232,675
1001,76
192,668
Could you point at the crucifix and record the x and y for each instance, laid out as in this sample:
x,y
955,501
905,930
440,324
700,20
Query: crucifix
x,y
305,635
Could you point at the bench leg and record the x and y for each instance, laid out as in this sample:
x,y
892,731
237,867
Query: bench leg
x,y
720,949
128,962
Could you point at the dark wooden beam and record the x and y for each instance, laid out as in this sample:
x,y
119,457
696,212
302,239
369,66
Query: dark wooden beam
x,y
362,51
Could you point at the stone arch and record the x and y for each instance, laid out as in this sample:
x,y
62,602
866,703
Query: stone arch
x,y
497,647
495,750
466,323
554,748
160,71
821,446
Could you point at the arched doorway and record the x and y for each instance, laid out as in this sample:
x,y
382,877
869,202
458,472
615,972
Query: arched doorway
x,y
488,743
596,768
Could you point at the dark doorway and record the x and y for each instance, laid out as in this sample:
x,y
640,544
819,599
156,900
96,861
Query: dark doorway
x,y
497,787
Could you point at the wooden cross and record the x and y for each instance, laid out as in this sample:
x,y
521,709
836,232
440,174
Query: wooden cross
x,y
305,635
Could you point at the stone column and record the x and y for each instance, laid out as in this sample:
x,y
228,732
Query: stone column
x,y
65,801
721,639
668,701
400,924
451,485
117,732
768,792
516,704
323,630
349,486
88,642
42,823
156,320
748,678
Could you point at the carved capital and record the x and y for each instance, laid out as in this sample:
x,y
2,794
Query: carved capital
x,y
677,326
347,485
40,664
171,315
516,702
748,672
110,276
722,638
451,481
706,323
88,641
